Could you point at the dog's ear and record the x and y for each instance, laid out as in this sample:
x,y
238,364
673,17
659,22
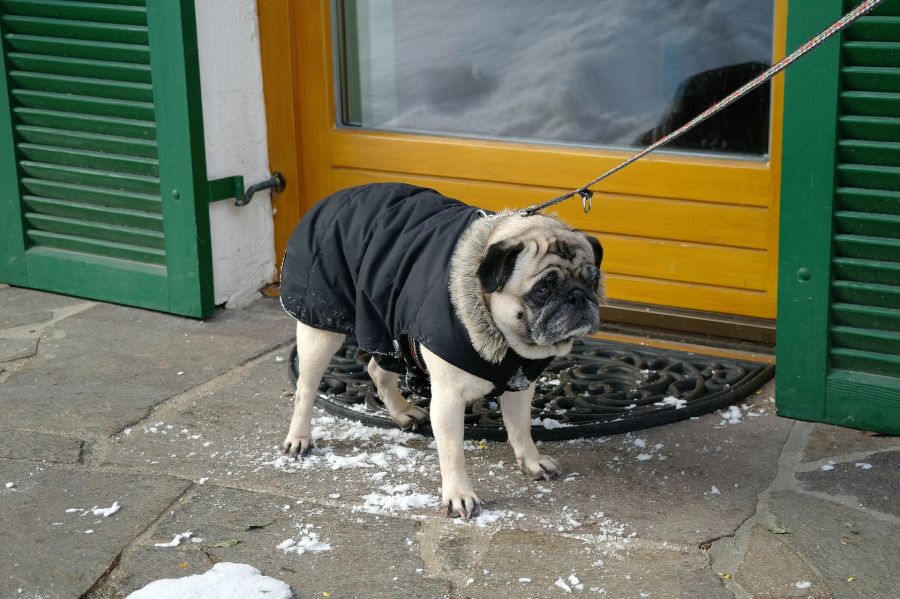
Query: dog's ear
x,y
598,249
498,265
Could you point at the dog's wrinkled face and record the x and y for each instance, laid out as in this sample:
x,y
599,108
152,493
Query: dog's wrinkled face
x,y
543,285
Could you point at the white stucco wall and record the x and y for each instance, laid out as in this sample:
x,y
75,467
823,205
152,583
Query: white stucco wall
x,y
234,122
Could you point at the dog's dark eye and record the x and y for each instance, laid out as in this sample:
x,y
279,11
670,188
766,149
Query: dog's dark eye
x,y
542,292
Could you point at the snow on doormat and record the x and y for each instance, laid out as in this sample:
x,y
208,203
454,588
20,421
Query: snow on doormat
x,y
225,580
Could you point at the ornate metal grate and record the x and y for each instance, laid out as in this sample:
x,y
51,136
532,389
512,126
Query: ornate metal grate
x,y
600,388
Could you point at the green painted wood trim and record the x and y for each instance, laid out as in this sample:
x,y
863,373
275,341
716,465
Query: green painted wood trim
x,y
807,200
12,239
182,156
863,401
97,277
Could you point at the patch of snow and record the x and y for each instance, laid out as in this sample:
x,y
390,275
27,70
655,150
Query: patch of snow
x,y
106,512
827,467
487,517
638,442
548,423
573,580
176,540
643,457
308,542
732,416
714,491
518,381
396,499
225,580
203,480
10,485
562,584
524,580
671,400
803,584
863,465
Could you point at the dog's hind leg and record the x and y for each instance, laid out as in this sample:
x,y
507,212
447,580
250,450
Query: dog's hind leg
x,y
402,412
314,350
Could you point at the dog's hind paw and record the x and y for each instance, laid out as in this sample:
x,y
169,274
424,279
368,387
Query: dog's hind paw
x,y
540,467
296,447
410,417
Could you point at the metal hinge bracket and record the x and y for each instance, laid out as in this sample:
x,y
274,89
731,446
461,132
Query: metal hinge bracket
x,y
233,187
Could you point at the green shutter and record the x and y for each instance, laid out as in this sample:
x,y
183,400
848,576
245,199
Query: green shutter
x,y
102,167
839,279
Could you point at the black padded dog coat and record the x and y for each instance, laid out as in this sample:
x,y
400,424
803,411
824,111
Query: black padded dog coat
x,y
373,262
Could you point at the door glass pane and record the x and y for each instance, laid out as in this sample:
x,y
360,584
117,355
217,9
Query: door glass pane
x,y
611,73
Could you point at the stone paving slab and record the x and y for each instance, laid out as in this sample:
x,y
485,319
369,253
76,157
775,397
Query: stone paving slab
x,y
39,447
379,553
826,441
16,349
551,563
839,542
26,306
50,553
872,481
772,568
103,368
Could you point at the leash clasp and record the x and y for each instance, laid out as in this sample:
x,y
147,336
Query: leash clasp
x,y
587,197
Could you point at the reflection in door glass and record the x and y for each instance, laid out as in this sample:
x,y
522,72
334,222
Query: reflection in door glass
x,y
607,73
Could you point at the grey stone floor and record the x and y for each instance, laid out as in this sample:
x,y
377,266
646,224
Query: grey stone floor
x,y
178,421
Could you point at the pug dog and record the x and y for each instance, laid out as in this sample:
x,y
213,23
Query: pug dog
x,y
461,302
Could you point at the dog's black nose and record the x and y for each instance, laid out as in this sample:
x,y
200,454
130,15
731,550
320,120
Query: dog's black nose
x,y
578,297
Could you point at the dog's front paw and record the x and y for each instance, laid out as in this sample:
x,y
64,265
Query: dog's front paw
x,y
295,446
464,505
410,417
540,467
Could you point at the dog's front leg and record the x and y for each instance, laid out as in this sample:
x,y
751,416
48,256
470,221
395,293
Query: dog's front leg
x,y
516,408
451,389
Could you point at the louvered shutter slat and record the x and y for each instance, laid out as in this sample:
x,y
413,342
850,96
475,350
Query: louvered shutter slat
x,y
79,67
103,32
873,128
93,196
110,144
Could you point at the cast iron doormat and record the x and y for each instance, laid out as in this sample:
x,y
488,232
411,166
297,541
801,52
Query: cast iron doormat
x,y
600,388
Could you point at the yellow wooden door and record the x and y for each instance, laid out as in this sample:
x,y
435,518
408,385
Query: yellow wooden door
x,y
686,231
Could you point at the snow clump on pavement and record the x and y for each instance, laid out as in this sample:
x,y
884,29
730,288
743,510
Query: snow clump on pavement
x,y
225,580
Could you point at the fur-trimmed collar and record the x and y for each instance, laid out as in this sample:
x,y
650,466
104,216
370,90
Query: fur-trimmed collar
x,y
467,295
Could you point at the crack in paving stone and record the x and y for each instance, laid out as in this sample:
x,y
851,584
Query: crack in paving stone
x,y
107,578
728,558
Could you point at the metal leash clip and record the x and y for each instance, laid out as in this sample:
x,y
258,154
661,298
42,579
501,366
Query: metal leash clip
x,y
586,199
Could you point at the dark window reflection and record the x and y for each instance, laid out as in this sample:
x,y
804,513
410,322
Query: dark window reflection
x,y
609,73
